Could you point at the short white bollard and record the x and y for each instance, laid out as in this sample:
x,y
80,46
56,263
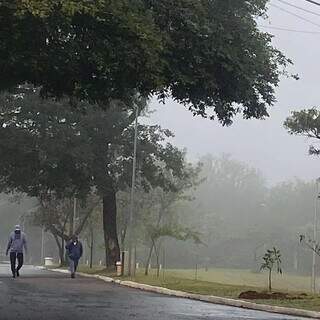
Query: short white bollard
x,y
48,261
119,268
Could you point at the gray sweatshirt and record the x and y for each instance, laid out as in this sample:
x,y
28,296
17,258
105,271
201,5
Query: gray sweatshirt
x,y
17,242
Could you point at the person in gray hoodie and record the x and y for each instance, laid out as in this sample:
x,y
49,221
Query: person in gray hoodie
x,y
16,245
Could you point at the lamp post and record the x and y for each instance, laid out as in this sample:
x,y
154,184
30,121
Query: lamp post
x,y
315,222
74,214
133,182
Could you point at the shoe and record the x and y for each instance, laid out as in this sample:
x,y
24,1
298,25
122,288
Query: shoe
x,y
18,274
73,275
13,275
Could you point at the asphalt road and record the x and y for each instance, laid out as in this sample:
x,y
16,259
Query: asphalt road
x,y
44,295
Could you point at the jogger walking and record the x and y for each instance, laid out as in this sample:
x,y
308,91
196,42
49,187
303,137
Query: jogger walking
x,y
74,251
17,243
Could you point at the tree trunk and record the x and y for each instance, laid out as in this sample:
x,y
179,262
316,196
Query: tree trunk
x,y
91,249
157,252
110,228
60,248
146,272
270,288
62,260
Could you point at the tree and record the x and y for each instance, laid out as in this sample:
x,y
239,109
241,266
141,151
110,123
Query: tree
x,y
208,55
56,216
91,232
270,259
49,145
157,216
305,123
174,231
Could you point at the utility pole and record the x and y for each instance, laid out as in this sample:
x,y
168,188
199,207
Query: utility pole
x,y
315,229
74,214
133,183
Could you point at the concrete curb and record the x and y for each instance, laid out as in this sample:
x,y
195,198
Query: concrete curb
x,y
204,298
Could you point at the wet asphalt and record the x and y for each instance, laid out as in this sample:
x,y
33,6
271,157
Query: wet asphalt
x,y
45,295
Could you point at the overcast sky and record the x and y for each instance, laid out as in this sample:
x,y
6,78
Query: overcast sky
x,y
263,144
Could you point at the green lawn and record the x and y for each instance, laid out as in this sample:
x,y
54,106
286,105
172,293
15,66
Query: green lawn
x,y
286,282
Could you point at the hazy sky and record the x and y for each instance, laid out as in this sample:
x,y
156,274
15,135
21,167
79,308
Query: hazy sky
x,y
263,144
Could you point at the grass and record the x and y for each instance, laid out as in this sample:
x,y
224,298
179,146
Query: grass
x,y
227,283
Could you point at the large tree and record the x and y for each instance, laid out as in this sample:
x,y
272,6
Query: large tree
x,y
50,146
208,55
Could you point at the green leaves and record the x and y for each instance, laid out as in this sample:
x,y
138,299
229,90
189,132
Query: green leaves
x,y
305,123
50,145
270,259
174,231
208,55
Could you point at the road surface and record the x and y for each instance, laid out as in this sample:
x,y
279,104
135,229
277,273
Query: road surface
x,y
44,295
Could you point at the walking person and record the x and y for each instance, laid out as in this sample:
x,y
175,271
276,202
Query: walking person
x,y
74,251
16,245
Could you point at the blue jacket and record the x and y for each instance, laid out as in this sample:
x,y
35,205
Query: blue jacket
x,y
74,250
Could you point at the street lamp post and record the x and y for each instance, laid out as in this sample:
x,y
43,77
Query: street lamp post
x,y
74,214
133,182
315,222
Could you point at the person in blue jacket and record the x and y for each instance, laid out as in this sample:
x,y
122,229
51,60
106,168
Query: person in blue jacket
x,y
74,252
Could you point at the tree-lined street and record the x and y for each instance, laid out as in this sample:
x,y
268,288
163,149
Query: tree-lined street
x,y
40,294
109,188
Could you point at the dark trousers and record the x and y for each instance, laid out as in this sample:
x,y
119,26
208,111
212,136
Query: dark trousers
x,y
73,263
13,257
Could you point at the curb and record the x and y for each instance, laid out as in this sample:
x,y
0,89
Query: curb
x,y
204,298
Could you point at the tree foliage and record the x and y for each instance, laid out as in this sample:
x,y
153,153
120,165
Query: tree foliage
x,y
208,55
305,123
270,259
51,146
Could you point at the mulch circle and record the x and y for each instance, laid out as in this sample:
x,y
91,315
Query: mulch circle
x,y
254,295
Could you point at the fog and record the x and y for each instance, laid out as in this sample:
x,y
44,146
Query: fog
x,y
263,144
270,206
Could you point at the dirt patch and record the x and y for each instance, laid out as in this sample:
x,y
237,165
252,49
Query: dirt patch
x,y
254,295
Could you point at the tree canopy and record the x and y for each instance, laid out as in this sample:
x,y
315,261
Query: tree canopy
x,y
208,55
51,147
305,123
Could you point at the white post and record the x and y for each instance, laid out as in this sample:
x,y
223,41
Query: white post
x,y
315,222
74,214
42,245
133,182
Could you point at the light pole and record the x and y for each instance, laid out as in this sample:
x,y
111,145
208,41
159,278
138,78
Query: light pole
x,y
315,221
74,214
133,182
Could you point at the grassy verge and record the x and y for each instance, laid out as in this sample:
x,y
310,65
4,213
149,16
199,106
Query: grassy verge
x,y
179,281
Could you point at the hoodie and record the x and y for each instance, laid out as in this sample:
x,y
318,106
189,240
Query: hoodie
x,y
17,242
74,249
